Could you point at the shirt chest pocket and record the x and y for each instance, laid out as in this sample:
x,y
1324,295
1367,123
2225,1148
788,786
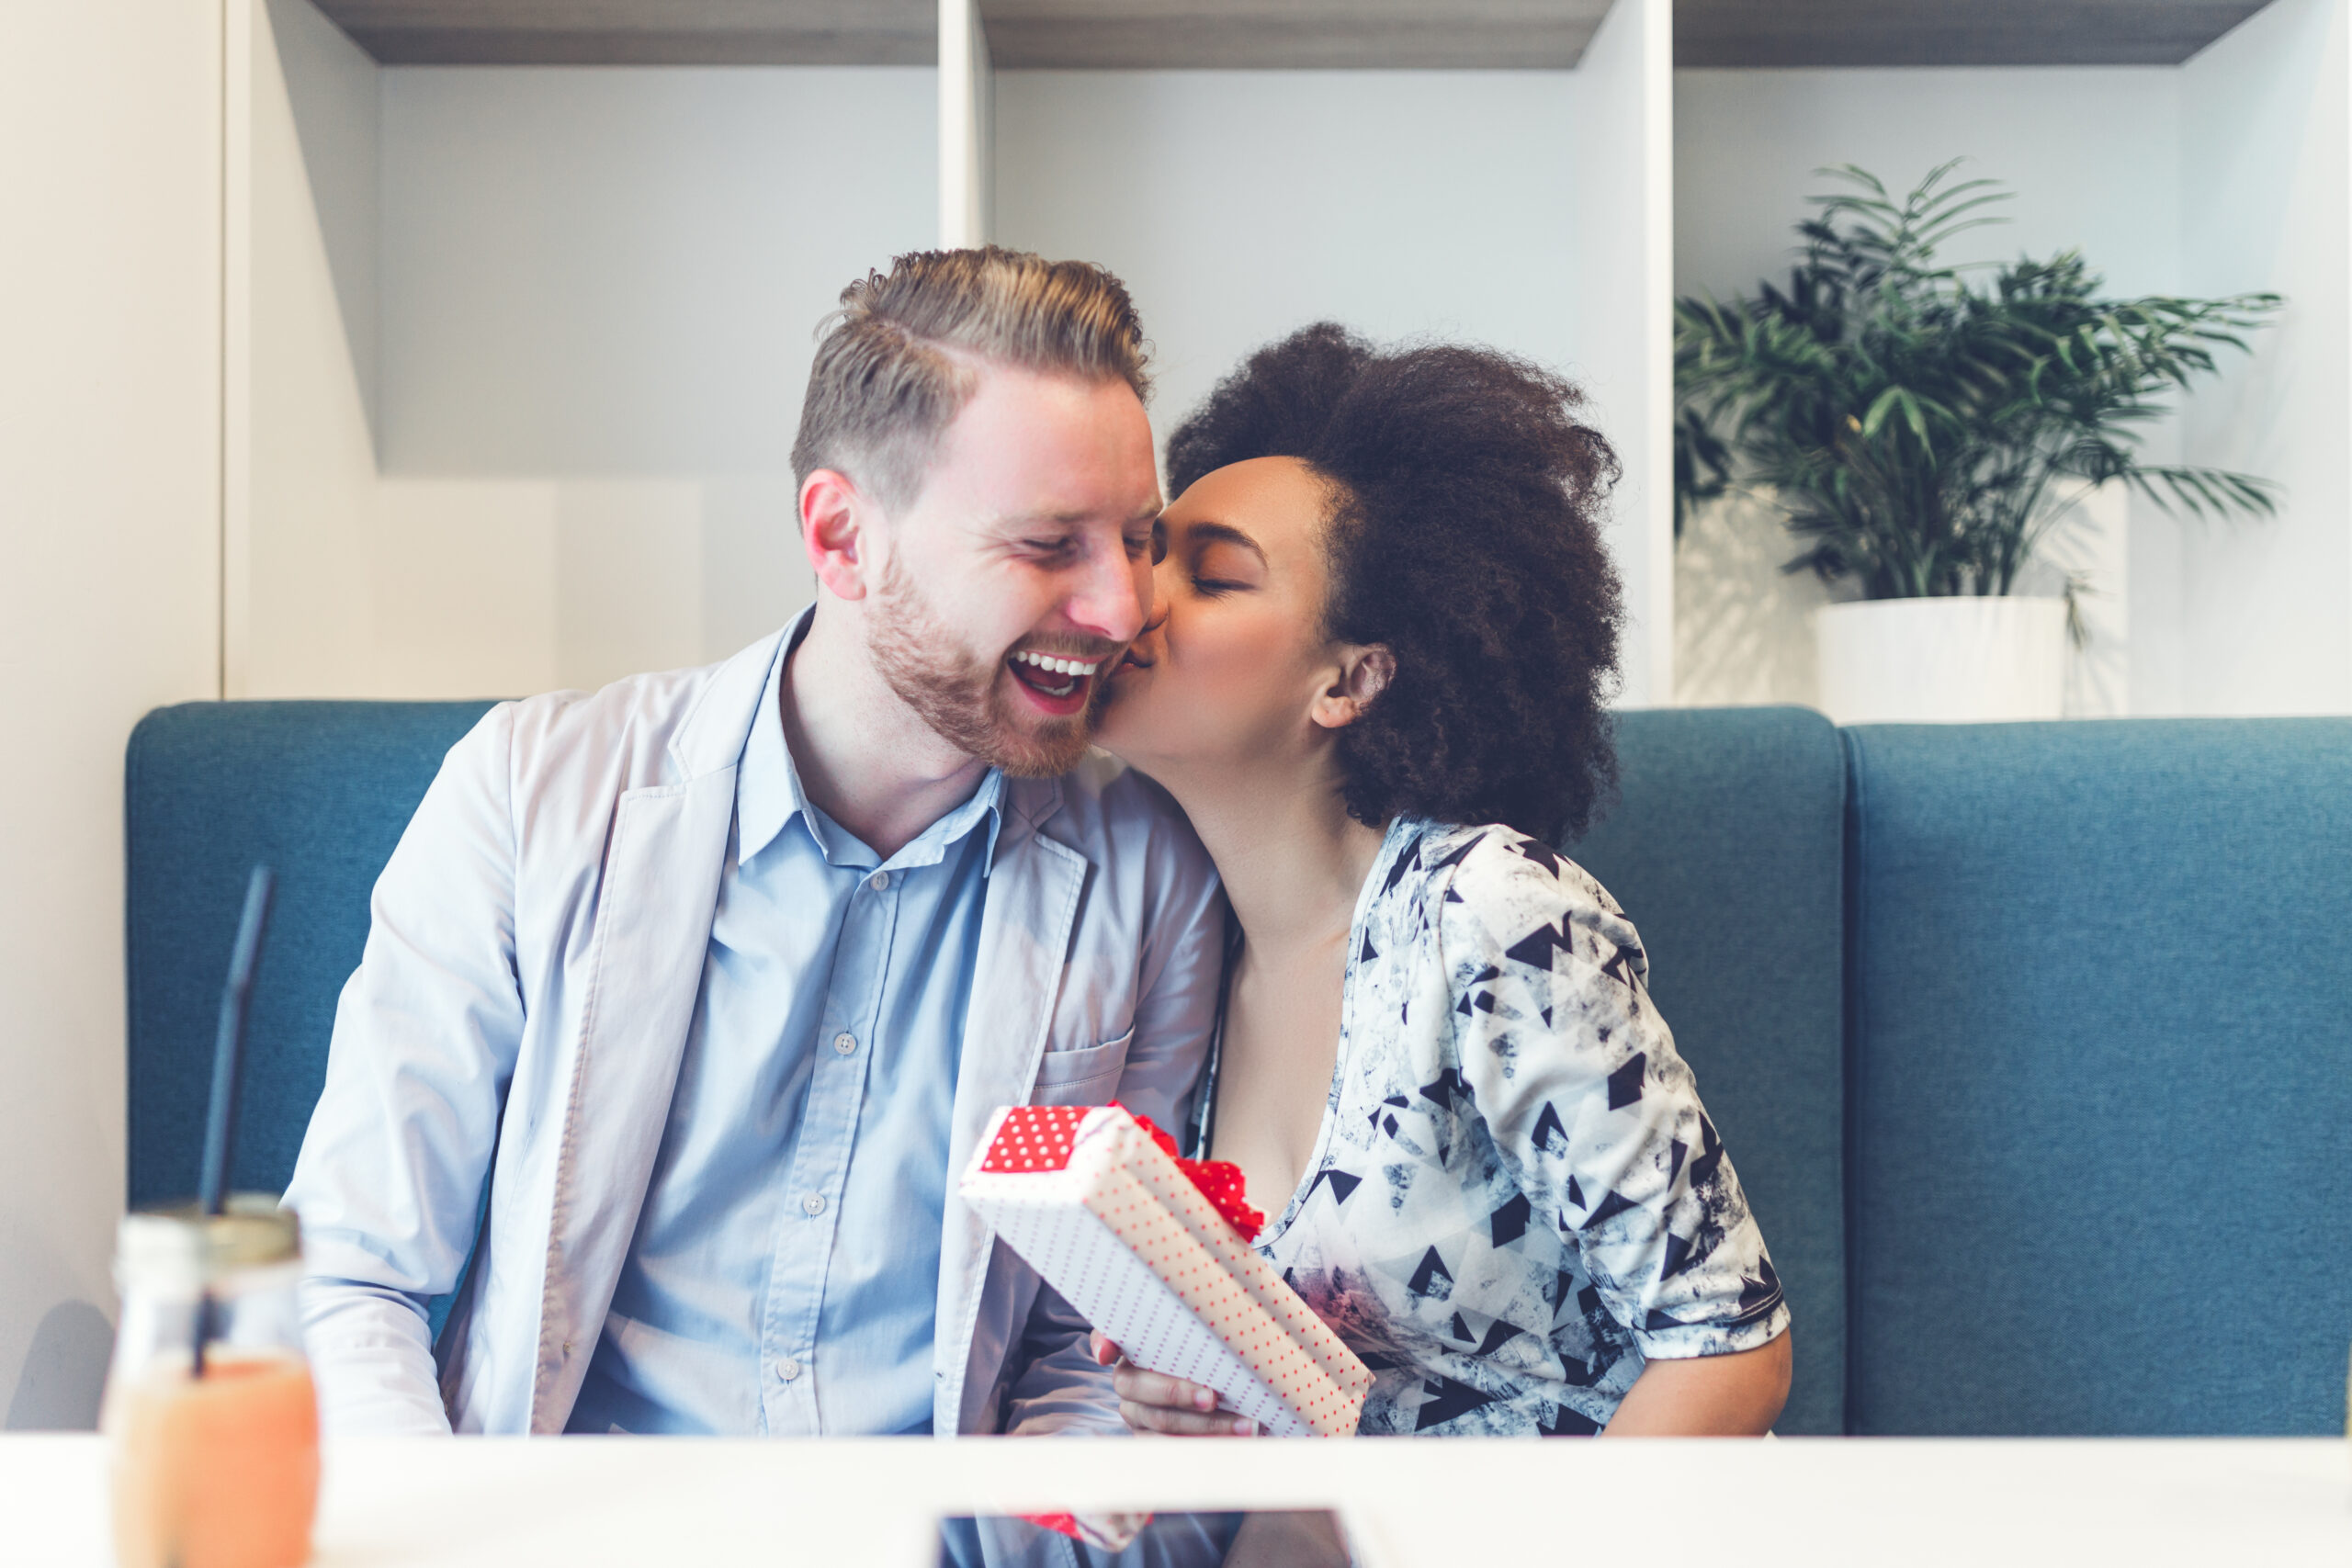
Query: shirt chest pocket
x,y
1085,1074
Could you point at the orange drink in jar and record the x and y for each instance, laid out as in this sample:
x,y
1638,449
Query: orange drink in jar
x,y
215,1446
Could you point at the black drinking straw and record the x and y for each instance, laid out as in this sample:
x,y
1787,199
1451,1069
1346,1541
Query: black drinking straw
x,y
227,1059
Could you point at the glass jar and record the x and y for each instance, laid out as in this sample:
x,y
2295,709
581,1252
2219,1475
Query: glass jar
x,y
210,1414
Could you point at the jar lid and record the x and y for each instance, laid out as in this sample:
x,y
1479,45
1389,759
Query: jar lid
x,y
179,1241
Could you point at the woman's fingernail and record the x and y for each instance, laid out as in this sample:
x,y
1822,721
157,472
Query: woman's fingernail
x,y
1245,1428
1204,1400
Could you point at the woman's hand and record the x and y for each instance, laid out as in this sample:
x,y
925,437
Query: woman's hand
x,y
1150,1402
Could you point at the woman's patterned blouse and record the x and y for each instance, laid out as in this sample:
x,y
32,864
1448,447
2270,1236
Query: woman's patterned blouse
x,y
1515,1197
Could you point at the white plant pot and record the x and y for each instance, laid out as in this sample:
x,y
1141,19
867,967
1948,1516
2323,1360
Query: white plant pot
x,y
1956,660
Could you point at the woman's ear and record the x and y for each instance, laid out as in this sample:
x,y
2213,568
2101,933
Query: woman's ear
x,y
1364,673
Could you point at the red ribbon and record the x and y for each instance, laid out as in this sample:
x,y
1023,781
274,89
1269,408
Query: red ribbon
x,y
1219,1181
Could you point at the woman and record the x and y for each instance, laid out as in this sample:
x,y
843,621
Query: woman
x,y
1385,633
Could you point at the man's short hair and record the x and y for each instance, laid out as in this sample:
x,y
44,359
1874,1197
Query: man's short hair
x,y
900,359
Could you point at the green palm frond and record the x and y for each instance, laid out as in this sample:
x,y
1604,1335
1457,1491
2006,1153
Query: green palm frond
x,y
1913,423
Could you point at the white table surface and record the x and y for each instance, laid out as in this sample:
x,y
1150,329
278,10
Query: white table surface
x,y
1821,1502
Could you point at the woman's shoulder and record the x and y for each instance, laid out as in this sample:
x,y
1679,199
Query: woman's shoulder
x,y
1492,893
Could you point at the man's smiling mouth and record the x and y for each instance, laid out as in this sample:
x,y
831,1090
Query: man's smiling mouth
x,y
1059,683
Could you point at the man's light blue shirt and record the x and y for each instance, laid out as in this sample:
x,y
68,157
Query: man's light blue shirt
x,y
783,1276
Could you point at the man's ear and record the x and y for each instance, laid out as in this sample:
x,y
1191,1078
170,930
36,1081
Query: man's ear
x,y
836,520
1364,674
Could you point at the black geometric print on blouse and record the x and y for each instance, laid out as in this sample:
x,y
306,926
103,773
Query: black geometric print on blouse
x,y
1536,948
1567,1423
1448,1091
1454,856
1550,1137
1711,1156
1495,1094
1625,1083
1405,860
1342,1184
1658,1321
1498,1334
1448,1399
1758,1295
1543,854
1612,1203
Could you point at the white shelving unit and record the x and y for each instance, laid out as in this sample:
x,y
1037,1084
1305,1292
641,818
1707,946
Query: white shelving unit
x,y
515,350
520,347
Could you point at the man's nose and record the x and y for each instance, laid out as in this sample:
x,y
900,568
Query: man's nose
x,y
1110,597
1156,615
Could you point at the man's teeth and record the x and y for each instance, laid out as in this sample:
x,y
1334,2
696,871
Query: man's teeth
x,y
1053,666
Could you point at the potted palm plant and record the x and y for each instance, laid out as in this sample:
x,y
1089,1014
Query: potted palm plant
x,y
1923,433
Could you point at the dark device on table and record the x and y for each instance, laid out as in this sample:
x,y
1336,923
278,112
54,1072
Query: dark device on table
x,y
1258,1538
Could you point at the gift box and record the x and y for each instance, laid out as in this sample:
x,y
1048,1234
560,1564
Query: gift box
x,y
1154,1251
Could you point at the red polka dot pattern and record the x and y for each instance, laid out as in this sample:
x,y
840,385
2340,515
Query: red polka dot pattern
x,y
1034,1137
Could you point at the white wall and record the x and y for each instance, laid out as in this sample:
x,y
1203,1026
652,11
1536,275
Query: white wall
x,y
303,336
109,476
1622,277
594,293
1239,206
600,292
2094,156
2266,612
517,356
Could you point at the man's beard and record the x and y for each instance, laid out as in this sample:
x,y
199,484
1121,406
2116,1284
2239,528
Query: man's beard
x,y
958,695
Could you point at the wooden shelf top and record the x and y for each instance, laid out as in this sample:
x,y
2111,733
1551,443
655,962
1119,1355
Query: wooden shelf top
x,y
1271,34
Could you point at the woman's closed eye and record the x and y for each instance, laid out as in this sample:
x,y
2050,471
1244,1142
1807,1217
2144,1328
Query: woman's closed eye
x,y
1224,561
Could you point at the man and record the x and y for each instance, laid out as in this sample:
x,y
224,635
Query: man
x,y
684,1001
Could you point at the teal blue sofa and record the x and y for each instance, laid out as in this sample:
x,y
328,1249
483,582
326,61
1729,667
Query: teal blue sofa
x,y
2031,1043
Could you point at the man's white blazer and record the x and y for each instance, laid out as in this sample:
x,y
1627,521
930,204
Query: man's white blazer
x,y
503,1058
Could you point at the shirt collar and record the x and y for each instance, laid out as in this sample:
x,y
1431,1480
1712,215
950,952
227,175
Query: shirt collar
x,y
768,793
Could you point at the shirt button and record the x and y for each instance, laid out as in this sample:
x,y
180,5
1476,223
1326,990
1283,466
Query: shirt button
x,y
845,1044
787,1369
813,1204
878,880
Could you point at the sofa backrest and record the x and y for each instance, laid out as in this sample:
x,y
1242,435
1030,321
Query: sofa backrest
x,y
1724,848
2101,1076
2033,1044
320,791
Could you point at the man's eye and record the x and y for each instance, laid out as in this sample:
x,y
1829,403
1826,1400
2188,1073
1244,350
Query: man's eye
x,y
1050,547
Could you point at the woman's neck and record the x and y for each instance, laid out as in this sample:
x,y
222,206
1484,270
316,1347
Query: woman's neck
x,y
1293,859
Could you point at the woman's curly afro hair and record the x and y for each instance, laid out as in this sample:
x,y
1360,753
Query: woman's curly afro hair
x,y
1465,536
